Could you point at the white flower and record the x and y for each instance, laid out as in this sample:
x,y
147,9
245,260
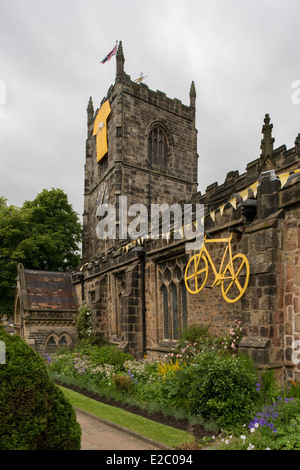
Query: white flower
x,y
268,448
243,437
252,429
256,425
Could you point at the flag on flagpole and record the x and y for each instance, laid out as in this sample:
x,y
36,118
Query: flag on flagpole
x,y
110,54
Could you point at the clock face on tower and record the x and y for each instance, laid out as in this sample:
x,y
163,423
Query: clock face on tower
x,y
102,197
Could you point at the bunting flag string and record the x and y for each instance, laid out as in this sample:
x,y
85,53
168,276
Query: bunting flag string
x,y
233,201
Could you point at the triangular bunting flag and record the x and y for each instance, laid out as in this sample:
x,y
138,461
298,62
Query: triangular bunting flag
x,y
244,194
222,209
254,188
233,202
283,178
212,214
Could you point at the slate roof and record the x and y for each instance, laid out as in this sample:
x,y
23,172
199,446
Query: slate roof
x,y
48,290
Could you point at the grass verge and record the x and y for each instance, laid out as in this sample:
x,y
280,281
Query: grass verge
x,y
159,432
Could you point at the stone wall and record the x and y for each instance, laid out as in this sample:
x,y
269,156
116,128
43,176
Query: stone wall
x,y
126,169
136,289
129,309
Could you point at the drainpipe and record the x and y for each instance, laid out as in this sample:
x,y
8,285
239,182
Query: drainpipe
x,y
141,253
80,276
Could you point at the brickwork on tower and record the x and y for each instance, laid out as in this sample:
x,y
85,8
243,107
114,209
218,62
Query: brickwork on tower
x,y
137,290
142,145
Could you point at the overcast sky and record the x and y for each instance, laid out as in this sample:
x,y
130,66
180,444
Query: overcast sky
x,y
243,56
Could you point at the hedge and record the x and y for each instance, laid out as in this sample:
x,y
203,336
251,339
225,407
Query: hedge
x,y
34,414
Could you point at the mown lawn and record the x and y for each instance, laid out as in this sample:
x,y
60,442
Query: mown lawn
x,y
159,432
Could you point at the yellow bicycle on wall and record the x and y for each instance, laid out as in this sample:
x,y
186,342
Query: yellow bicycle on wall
x,y
233,278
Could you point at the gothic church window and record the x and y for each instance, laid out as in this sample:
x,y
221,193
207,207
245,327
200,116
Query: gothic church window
x,y
173,299
51,344
63,341
158,146
165,311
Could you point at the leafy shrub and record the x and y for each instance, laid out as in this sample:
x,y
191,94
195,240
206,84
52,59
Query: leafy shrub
x,y
122,383
197,339
276,427
34,414
195,334
268,386
83,322
110,354
218,386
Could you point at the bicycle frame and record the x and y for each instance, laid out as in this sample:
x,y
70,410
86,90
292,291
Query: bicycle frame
x,y
232,291
218,274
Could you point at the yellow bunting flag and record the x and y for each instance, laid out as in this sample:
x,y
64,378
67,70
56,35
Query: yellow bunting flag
x,y
254,188
283,178
100,129
244,194
233,202
213,215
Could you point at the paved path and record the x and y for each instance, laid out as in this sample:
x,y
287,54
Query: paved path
x,y
98,434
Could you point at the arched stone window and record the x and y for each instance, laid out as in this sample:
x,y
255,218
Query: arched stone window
x,y
51,344
53,341
17,317
63,341
159,143
173,298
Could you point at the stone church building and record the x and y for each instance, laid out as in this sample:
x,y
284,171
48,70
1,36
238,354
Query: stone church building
x,y
143,145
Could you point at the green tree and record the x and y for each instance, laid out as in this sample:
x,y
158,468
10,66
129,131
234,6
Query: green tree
x,y
34,414
44,234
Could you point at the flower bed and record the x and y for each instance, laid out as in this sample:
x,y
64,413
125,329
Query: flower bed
x,y
204,380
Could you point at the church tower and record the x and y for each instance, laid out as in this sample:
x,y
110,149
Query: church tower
x,y
140,144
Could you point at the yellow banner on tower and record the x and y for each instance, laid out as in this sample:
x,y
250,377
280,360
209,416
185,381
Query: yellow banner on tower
x,y
100,129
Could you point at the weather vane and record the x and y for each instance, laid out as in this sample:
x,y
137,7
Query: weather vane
x,y
141,78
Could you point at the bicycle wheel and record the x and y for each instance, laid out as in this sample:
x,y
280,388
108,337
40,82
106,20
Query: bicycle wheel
x,y
235,278
196,273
